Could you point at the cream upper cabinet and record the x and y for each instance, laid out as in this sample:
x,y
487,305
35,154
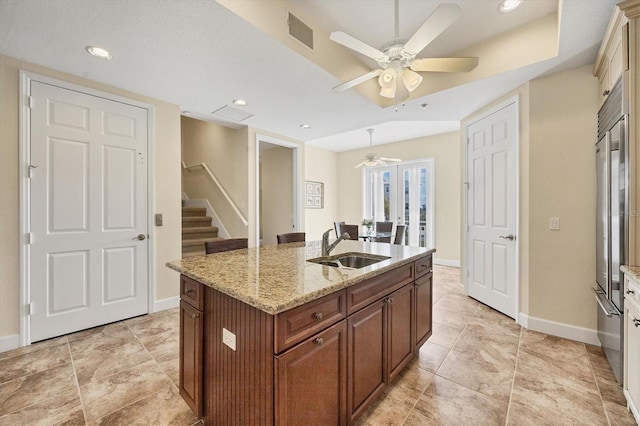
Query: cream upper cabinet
x,y
612,57
632,346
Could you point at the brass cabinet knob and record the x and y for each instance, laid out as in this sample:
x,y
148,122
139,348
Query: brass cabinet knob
x,y
318,315
319,341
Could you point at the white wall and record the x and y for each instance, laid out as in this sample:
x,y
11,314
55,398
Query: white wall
x,y
445,150
322,166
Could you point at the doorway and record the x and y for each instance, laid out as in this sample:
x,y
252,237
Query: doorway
x,y
84,208
404,194
491,208
277,186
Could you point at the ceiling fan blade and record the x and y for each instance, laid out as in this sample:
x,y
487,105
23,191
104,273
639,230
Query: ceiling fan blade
x,y
392,160
361,164
381,162
354,44
436,23
349,84
444,64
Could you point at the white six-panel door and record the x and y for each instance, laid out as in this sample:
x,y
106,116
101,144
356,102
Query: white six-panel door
x,y
88,211
491,203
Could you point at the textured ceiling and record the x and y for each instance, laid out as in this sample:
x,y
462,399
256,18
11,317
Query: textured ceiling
x,y
201,56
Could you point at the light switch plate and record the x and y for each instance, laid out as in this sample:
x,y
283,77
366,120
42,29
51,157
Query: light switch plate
x,y
229,339
158,219
554,223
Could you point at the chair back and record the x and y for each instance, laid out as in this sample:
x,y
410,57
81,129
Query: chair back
x,y
338,228
399,234
291,237
352,230
384,227
218,246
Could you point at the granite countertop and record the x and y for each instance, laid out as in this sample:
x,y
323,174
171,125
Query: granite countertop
x,y
277,278
633,272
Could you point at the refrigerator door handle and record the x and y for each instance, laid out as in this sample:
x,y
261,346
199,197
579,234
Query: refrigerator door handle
x,y
606,306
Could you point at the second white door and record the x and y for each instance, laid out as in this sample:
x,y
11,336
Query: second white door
x,y
491,216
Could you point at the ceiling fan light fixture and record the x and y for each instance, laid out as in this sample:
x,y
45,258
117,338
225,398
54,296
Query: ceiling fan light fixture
x,y
388,78
411,79
388,92
509,5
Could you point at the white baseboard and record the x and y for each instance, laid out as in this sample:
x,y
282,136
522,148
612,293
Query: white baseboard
x,y
446,262
164,304
10,342
567,331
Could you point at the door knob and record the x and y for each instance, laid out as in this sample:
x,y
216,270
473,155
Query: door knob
x,y
140,237
509,237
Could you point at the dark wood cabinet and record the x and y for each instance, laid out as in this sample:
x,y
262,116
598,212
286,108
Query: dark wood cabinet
x,y
311,380
423,308
190,385
320,363
400,329
366,356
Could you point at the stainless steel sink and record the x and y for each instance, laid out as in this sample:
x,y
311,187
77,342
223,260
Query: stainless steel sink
x,y
349,260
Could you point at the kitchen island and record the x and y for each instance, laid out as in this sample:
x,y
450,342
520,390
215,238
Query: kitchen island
x,y
268,337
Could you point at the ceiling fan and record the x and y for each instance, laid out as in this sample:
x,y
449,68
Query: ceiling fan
x,y
397,58
372,159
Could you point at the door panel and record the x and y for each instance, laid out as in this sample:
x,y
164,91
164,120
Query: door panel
x,y
491,215
88,203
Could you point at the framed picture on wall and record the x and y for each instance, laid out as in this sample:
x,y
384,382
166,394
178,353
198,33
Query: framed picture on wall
x,y
314,195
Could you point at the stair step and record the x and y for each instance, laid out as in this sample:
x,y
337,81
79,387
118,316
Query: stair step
x,y
199,232
196,242
193,253
196,221
193,211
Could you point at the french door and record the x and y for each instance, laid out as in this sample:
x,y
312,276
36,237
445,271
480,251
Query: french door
x,y
403,194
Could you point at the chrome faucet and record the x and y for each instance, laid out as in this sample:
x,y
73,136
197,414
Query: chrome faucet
x,y
326,247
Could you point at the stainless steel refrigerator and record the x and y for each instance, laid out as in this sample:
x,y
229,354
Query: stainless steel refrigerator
x,y
612,222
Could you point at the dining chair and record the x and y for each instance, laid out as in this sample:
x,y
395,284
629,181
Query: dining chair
x,y
228,244
337,226
291,237
384,227
399,234
352,230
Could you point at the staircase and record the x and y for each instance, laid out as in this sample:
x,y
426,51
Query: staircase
x,y
196,230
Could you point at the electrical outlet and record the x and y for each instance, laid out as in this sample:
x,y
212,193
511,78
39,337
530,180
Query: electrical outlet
x,y
158,219
229,339
554,223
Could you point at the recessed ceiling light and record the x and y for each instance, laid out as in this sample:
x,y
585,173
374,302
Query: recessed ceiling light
x,y
99,52
305,126
187,113
240,102
423,106
509,5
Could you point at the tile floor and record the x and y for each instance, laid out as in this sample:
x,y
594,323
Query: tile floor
x,y
478,368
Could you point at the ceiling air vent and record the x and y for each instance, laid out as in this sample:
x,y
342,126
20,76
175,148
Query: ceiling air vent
x,y
300,31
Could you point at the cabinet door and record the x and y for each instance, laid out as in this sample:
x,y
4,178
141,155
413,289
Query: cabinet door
x,y
632,356
423,290
191,356
311,380
400,312
367,361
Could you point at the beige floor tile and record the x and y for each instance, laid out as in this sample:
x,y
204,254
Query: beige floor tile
x,y
492,338
390,410
454,319
411,383
64,409
33,362
448,403
488,373
110,394
618,414
172,369
162,346
445,335
551,344
50,343
610,390
165,407
457,303
34,388
430,356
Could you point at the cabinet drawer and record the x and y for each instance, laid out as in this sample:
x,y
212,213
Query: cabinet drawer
x,y
192,292
295,325
363,294
423,265
632,292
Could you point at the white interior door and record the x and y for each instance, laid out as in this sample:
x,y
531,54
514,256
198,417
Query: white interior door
x,y
491,204
88,211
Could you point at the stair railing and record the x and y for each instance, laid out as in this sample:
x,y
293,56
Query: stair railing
x,y
220,187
